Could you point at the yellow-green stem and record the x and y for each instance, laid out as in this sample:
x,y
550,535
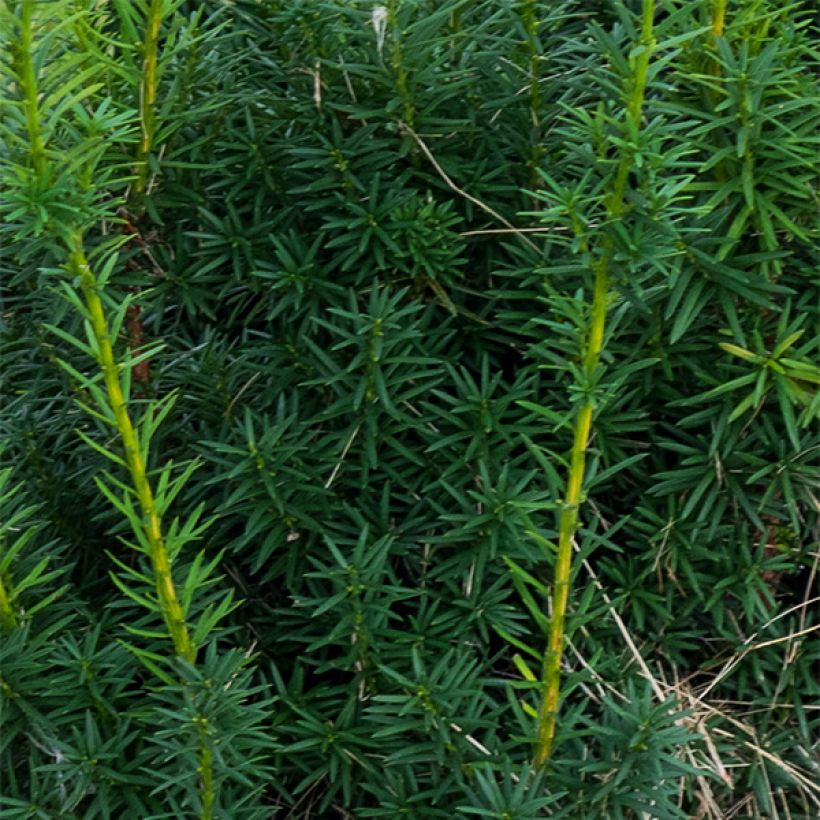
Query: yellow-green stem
x,y
170,606
78,265
147,102
28,87
530,18
8,617
718,17
24,63
718,23
206,773
568,522
166,591
397,62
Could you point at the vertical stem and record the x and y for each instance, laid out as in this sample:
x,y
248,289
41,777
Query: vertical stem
x,y
23,57
529,16
206,772
456,21
169,602
160,559
147,101
8,617
28,86
718,24
568,522
397,62
718,17
78,265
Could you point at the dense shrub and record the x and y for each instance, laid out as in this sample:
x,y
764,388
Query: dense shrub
x,y
352,261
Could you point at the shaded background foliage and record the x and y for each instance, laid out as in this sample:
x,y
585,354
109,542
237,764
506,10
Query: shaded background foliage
x,y
375,372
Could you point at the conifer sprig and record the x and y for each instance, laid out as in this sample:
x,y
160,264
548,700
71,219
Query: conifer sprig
x,y
167,594
615,202
77,264
113,408
148,84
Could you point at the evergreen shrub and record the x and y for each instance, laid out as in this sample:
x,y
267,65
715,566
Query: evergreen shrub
x,y
408,410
